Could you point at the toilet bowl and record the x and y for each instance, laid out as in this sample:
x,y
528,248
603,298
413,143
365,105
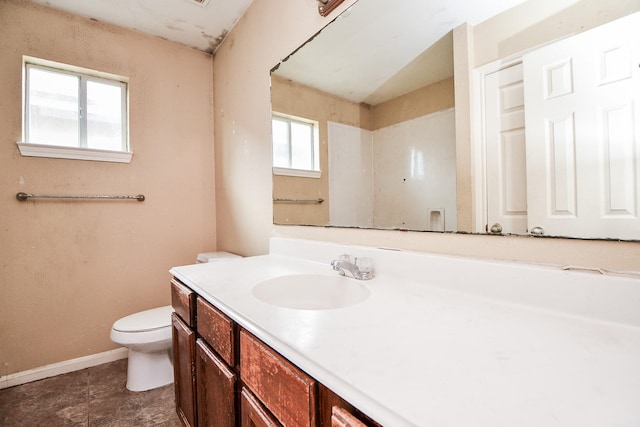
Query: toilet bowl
x,y
147,335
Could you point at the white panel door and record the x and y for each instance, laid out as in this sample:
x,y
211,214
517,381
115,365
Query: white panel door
x,y
582,96
506,171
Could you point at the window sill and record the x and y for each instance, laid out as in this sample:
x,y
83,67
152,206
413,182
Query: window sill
x,y
300,173
56,152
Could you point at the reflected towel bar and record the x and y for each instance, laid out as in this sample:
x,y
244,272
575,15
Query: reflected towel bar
x,y
25,196
298,200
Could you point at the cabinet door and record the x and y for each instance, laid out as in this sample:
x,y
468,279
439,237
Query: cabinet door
x,y
253,413
285,390
215,389
184,345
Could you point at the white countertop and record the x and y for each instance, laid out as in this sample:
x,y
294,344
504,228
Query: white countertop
x,y
445,341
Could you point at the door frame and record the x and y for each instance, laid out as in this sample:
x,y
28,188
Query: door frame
x,y
478,140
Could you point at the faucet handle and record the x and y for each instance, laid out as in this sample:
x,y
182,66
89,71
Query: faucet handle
x,y
365,265
347,258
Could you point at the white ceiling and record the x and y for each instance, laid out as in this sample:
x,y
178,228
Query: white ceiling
x,y
181,21
355,57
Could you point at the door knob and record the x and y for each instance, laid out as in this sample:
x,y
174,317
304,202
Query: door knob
x,y
496,228
537,231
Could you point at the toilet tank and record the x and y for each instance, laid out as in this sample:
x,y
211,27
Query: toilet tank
x,y
215,257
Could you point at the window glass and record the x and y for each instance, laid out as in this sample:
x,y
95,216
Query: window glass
x,y
71,109
301,146
53,105
104,116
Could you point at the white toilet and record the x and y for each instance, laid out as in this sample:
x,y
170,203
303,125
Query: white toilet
x,y
147,335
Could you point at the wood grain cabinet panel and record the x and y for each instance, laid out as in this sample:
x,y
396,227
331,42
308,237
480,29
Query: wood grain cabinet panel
x,y
287,392
183,301
216,329
215,389
184,342
253,413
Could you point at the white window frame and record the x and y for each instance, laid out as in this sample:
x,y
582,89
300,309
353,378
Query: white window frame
x,y
315,152
82,152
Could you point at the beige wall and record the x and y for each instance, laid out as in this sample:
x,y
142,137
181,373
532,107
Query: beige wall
x,y
266,34
70,269
243,165
537,22
426,100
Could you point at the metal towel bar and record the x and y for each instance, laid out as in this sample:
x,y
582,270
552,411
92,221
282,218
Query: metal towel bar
x,y
25,196
298,200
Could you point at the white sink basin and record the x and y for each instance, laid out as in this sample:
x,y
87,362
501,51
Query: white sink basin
x,y
311,291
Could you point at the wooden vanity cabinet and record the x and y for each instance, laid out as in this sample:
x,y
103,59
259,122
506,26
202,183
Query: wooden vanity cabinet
x,y
226,377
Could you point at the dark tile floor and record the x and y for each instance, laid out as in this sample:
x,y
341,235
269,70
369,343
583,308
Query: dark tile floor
x,y
91,397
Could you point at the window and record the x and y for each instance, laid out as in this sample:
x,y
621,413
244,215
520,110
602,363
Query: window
x,y
295,146
74,113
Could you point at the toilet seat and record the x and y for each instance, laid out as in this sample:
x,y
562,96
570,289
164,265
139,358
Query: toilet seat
x,y
144,321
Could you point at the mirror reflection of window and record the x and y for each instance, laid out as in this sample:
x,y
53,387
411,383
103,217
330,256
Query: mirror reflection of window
x,y
295,145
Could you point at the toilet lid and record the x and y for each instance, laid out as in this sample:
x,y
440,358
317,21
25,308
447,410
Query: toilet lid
x,y
147,320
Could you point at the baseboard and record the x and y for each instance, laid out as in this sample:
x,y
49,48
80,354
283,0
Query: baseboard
x,y
62,367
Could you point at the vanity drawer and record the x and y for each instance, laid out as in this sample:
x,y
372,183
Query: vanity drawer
x,y
217,330
183,301
285,390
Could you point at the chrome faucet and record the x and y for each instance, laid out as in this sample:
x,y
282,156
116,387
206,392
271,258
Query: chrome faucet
x,y
358,268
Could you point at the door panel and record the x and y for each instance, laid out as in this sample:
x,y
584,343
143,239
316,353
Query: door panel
x,y
506,171
582,121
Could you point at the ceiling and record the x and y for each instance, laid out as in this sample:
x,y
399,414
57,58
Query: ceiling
x,y
360,51
202,27
375,52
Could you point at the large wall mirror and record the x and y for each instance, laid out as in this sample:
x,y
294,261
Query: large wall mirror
x,y
501,116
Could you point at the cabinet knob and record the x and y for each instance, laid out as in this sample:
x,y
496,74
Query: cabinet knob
x,y
537,231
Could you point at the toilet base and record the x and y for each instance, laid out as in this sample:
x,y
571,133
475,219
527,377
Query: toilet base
x,y
146,371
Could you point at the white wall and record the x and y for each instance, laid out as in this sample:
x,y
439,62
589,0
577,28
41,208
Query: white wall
x,y
396,176
415,172
350,176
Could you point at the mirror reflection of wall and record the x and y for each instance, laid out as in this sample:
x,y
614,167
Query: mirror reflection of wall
x,y
388,166
389,152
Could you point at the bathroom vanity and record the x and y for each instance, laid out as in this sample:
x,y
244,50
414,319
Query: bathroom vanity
x,y
430,340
